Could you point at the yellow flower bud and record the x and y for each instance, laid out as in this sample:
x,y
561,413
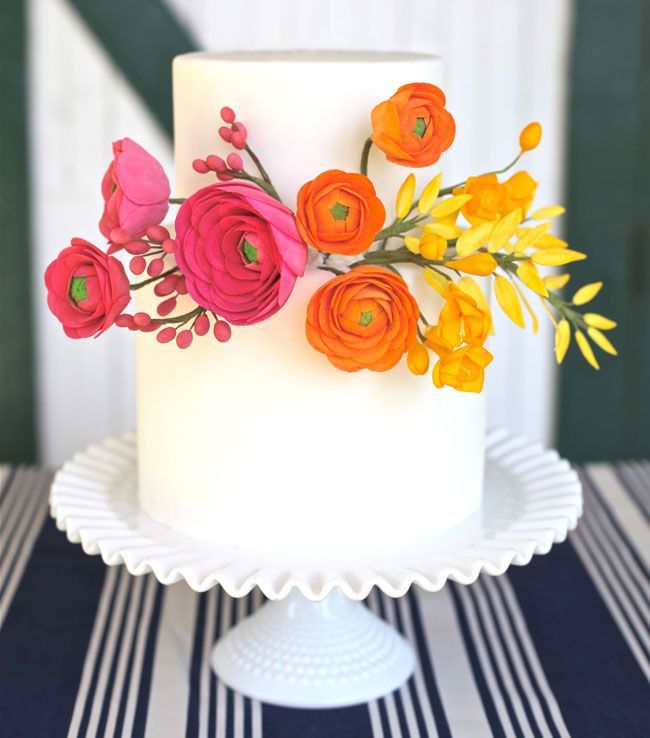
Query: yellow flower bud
x,y
556,281
557,257
417,359
585,349
450,206
508,300
405,196
412,244
601,341
530,137
562,339
599,321
433,246
429,195
528,274
548,213
587,293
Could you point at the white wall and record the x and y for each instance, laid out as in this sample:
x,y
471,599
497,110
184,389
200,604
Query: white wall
x,y
506,64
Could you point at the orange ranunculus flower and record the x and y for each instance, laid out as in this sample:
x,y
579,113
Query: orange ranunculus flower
x,y
413,128
460,321
462,369
363,319
492,199
339,212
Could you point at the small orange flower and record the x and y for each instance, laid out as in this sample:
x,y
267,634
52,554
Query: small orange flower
x,y
530,136
339,212
462,369
460,321
364,319
413,127
492,199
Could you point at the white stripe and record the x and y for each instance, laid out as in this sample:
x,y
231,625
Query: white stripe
x,y
583,552
375,719
256,705
389,699
418,676
499,656
205,673
445,644
138,655
637,478
93,648
125,648
19,550
109,651
623,509
226,603
516,657
170,684
11,493
484,660
531,655
238,698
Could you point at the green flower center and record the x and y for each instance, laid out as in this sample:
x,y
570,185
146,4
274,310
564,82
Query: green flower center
x,y
420,127
365,318
250,252
78,290
339,211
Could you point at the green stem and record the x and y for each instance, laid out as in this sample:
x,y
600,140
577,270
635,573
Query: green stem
x,y
399,227
177,200
266,186
140,285
338,272
182,319
365,153
258,164
449,190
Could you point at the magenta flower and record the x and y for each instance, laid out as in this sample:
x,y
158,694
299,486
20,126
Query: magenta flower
x,y
135,189
239,251
86,289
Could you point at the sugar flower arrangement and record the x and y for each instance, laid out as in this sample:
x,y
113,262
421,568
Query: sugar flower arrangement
x,y
237,251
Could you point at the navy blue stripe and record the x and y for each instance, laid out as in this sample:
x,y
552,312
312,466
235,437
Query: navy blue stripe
x,y
45,635
597,682
383,718
140,717
192,724
442,724
621,473
484,692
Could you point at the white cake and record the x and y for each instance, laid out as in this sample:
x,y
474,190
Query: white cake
x,y
260,442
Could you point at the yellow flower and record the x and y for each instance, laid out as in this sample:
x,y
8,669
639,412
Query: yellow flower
x,y
405,196
585,349
473,238
480,264
530,236
599,321
530,137
461,320
492,200
504,230
562,339
429,195
450,206
549,241
508,300
556,257
556,281
462,369
587,293
417,359
440,228
548,213
412,244
433,246
601,341
528,274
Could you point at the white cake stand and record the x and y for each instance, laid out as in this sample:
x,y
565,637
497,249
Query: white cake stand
x,y
313,645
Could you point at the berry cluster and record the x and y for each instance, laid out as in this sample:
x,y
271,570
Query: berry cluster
x,y
233,166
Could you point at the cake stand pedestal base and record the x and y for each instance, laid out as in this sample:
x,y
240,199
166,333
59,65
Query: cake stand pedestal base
x,y
300,653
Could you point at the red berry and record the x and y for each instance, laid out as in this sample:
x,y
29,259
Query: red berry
x,y
124,320
198,165
235,162
157,233
216,163
155,267
166,286
223,177
166,306
238,140
141,319
166,334
181,286
202,325
184,339
225,133
169,245
240,128
222,331
137,247
137,264
227,115
119,236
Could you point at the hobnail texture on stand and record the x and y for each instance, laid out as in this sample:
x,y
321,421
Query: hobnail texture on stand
x,y
299,653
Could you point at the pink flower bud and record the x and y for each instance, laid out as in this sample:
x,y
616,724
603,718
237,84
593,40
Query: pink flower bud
x,y
216,163
124,320
239,128
119,236
238,140
166,286
166,334
227,115
202,325
225,133
155,267
181,286
169,245
235,162
223,177
137,264
137,247
184,339
141,319
198,165
166,306
222,331
157,233
150,327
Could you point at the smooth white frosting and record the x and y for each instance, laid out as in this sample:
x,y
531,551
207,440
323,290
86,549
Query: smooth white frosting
x,y
260,442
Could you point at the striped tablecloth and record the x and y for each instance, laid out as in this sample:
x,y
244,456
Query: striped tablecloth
x,y
557,648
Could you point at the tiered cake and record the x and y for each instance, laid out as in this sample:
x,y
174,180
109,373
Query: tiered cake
x,y
263,444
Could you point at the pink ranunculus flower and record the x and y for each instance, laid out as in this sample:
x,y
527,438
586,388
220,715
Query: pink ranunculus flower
x,y
135,189
86,289
239,250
